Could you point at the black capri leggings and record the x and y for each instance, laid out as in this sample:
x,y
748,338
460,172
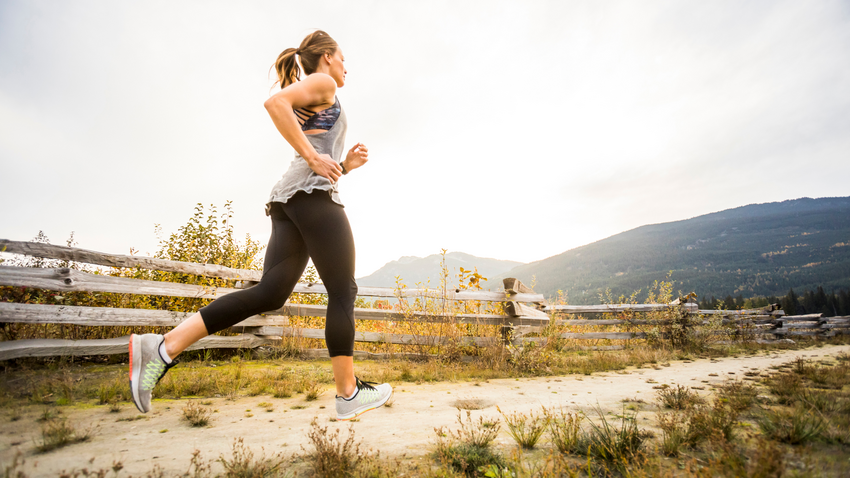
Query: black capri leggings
x,y
306,226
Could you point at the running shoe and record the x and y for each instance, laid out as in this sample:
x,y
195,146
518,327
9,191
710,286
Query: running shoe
x,y
146,368
368,397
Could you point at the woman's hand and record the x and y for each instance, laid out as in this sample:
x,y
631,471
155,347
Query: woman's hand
x,y
356,157
326,167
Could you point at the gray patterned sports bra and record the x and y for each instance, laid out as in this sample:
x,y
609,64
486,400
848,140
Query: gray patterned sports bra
x,y
324,120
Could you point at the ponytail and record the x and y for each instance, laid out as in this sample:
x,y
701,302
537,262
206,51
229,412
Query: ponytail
x,y
310,52
287,68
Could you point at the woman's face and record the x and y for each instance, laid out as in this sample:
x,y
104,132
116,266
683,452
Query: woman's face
x,y
337,68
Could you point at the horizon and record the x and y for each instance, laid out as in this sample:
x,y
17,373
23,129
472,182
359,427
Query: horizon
x,y
608,237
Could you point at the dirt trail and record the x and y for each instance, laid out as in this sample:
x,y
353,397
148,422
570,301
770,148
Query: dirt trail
x,y
405,428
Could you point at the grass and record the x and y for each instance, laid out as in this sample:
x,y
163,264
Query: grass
x,y
710,435
678,397
312,391
243,463
617,446
57,433
797,426
331,456
468,448
196,414
565,430
526,430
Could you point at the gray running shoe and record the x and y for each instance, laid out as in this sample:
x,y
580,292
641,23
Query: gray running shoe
x,y
146,368
368,397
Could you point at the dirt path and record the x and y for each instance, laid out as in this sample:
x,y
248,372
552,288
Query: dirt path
x,y
405,428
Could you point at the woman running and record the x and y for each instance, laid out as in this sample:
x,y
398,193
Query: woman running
x,y
308,221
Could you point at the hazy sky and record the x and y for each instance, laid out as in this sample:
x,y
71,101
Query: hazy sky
x,y
514,130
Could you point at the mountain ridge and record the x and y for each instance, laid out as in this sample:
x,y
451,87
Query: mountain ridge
x,y
748,250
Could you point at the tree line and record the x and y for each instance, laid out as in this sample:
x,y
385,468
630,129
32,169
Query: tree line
x,y
818,301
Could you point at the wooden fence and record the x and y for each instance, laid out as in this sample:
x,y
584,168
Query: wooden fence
x,y
526,313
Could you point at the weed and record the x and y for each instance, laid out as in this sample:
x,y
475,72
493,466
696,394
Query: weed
x,y
196,414
258,388
526,430
785,386
678,398
198,468
331,456
282,390
673,432
107,393
795,427
616,446
114,406
243,464
819,400
480,434
58,433
298,407
565,430
738,394
313,391
48,414
372,466
468,449
716,422
268,406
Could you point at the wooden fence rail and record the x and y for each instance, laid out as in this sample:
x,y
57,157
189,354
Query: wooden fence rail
x,y
526,312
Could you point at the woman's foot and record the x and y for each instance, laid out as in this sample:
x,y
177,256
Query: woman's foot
x,y
147,367
368,396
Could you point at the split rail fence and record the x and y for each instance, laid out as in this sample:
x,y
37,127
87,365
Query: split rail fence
x,y
526,313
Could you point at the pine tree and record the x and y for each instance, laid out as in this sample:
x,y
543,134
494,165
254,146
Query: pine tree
x,y
789,303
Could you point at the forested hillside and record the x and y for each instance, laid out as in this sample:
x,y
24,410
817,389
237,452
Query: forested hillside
x,y
755,250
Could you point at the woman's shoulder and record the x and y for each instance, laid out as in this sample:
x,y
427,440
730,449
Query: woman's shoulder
x,y
321,82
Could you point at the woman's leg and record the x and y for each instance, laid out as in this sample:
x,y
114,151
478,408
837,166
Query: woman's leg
x,y
327,236
285,260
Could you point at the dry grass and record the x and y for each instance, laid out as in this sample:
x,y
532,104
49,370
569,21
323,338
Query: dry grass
x,y
526,430
565,430
196,414
678,397
331,456
243,463
469,448
57,433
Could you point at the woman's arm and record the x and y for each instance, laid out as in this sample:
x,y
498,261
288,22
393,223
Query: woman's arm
x,y
316,89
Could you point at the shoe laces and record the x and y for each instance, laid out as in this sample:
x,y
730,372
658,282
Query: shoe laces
x,y
363,385
154,371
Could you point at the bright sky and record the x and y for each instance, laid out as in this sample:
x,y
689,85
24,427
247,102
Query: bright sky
x,y
515,130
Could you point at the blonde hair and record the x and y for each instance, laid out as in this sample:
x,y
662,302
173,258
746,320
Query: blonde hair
x,y
311,50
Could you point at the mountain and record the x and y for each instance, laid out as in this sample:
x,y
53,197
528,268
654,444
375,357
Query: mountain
x,y
760,249
413,269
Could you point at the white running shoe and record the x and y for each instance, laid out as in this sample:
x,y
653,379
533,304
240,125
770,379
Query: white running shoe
x,y
368,397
